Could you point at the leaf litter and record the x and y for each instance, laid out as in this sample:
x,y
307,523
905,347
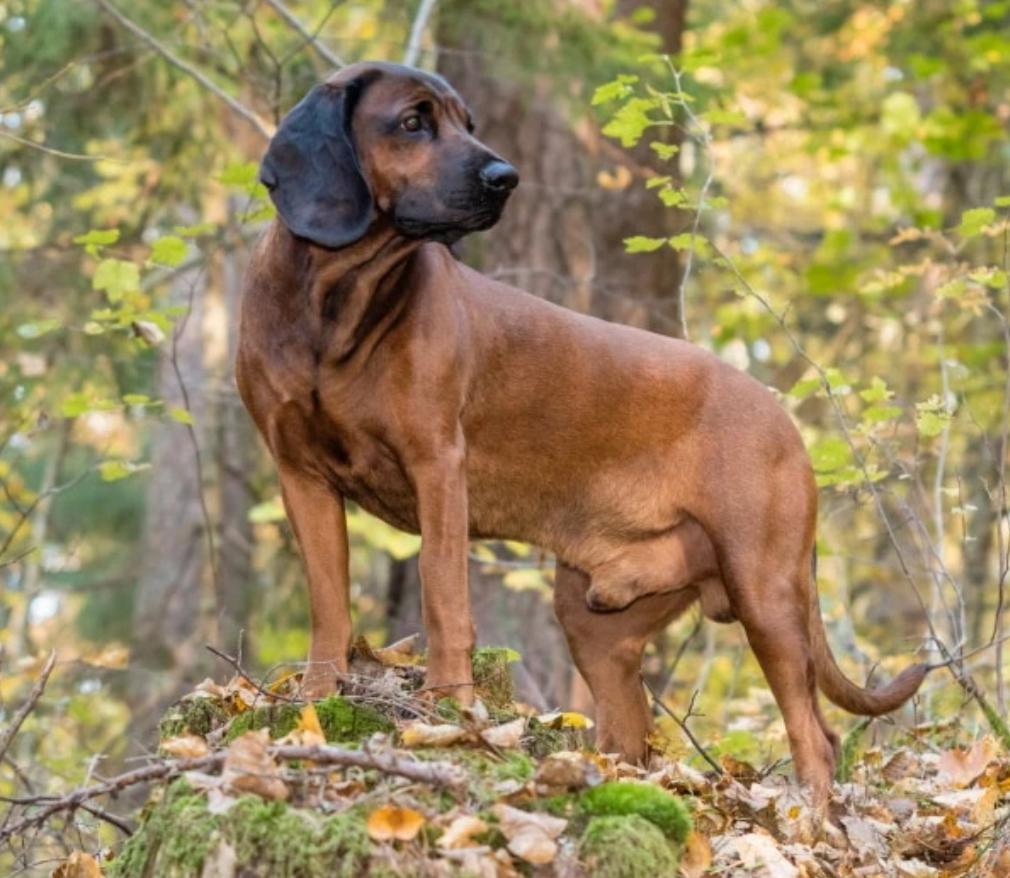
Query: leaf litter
x,y
519,799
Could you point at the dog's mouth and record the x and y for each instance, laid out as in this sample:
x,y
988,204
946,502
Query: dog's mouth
x,y
450,229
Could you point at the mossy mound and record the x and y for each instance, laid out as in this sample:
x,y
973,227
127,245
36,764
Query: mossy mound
x,y
182,839
199,716
627,847
492,675
341,720
662,809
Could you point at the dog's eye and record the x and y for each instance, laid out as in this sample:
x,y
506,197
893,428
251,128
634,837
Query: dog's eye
x,y
412,123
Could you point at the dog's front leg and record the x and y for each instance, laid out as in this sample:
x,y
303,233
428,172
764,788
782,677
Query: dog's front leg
x,y
316,513
445,589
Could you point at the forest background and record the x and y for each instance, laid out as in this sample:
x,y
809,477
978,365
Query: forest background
x,y
815,191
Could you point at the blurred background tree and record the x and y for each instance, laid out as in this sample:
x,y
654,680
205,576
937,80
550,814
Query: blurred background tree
x,y
803,181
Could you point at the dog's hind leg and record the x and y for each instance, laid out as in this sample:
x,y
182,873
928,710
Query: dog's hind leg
x,y
607,649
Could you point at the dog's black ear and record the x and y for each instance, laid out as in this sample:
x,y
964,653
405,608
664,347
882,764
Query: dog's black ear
x,y
312,171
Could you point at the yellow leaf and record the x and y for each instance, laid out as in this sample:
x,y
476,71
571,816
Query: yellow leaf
x,y
390,823
567,720
78,865
620,179
185,746
697,856
308,732
424,735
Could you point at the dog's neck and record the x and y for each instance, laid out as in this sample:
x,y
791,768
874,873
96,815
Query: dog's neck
x,y
355,292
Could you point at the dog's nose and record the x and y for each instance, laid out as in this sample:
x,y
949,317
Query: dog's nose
x,y
499,176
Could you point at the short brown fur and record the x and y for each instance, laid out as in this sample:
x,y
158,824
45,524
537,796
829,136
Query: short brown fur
x,y
386,372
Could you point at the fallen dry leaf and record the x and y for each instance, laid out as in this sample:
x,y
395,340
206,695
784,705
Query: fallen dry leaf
x,y
566,771
565,720
958,768
762,858
461,832
308,732
977,805
249,768
390,823
697,856
420,734
185,746
899,766
530,836
78,865
403,652
507,736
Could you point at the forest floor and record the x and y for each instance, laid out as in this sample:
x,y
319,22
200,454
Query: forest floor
x,y
249,782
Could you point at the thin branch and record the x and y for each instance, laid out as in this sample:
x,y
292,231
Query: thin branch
x,y
442,775
245,675
311,39
683,724
120,824
59,153
417,32
28,706
238,108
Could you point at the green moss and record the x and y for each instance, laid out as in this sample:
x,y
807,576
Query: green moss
x,y
274,839
851,747
173,842
492,675
542,740
626,847
341,720
270,839
201,716
654,804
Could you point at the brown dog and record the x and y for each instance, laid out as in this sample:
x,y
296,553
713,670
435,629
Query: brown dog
x,y
380,369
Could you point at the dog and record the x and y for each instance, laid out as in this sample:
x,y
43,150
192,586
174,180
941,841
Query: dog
x,y
380,369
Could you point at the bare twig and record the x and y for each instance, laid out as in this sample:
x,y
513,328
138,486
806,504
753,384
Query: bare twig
x,y
122,825
245,675
28,706
683,724
417,32
442,775
238,108
311,39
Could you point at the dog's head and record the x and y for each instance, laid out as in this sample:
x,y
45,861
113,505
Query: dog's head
x,y
380,139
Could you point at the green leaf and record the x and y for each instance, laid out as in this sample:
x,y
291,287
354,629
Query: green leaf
x,y
631,121
725,117
136,399
641,244
182,416
877,391
672,197
117,278
689,241
37,328
1002,201
97,238
804,387
830,454
878,414
974,220
665,151
114,470
241,174
169,251
74,405
953,289
617,88
195,231
653,182
932,416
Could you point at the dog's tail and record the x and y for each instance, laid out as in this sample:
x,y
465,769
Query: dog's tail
x,y
840,689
